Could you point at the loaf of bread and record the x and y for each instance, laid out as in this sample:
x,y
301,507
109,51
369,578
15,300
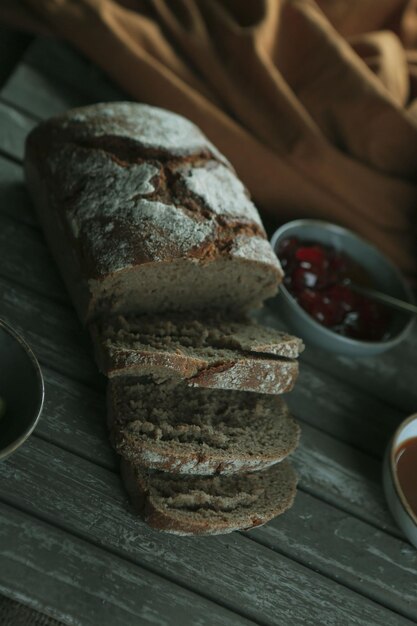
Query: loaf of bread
x,y
163,254
213,351
142,213
210,505
174,428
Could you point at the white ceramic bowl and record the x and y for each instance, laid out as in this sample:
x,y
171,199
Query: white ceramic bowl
x,y
397,502
385,277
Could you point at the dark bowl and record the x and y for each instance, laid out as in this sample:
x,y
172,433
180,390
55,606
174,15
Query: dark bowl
x,y
22,389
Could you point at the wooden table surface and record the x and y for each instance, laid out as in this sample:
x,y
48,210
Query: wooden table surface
x,y
69,544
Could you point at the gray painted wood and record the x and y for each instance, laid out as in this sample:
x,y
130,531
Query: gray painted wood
x,y
82,585
342,476
74,418
81,498
27,261
14,199
51,329
356,418
14,127
53,78
347,550
389,377
33,92
13,44
314,533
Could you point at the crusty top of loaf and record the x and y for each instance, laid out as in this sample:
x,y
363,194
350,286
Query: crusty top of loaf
x,y
136,184
147,126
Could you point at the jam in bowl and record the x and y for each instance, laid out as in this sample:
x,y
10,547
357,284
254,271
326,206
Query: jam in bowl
x,y
318,277
321,261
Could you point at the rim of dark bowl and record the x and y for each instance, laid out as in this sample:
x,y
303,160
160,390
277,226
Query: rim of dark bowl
x,y
392,341
12,447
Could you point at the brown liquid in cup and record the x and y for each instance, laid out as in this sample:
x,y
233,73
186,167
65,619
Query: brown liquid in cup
x,y
406,468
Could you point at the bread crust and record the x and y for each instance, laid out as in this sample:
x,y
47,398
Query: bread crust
x,y
115,204
245,373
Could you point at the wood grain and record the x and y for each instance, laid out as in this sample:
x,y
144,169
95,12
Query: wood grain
x,y
314,533
51,329
27,261
90,504
83,585
14,127
14,199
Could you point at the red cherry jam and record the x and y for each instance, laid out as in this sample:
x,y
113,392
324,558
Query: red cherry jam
x,y
314,275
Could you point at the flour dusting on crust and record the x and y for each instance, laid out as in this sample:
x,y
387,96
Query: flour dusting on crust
x,y
220,190
110,211
149,126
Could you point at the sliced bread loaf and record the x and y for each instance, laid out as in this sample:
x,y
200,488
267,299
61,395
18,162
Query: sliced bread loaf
x,y
215,352
210,505
177,429
142,213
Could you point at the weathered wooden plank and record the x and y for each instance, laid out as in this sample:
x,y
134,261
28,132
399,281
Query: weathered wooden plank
x,y
342,476
345,549
53,78
74,418
86,500
14,199
27,261
350,415
313,533
31,91
388,377
14,127
83,585
51,329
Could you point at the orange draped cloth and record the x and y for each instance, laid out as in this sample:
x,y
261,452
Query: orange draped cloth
x,y
312,102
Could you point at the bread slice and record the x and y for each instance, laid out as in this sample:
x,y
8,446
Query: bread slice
x,y
177,429
210,505
142,213
216,352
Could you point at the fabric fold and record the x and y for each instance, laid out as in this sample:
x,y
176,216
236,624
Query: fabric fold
x,y
312,102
